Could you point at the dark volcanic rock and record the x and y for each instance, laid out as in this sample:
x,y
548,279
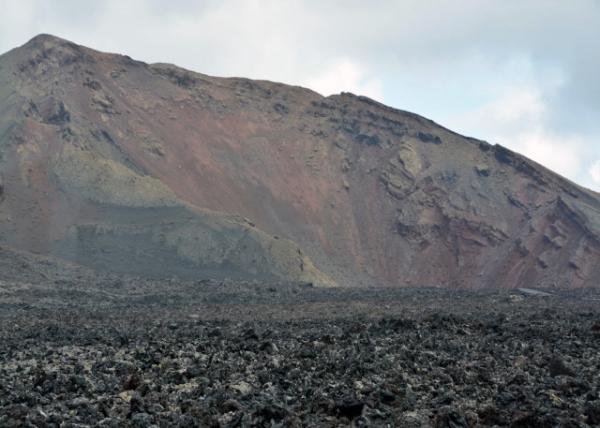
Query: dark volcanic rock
x,y
295,357
557,367
592,412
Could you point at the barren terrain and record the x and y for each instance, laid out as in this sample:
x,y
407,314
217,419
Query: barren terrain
x,y
184,250
248,354
113,164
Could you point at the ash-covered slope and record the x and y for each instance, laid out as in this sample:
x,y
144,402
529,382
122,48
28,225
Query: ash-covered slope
x,y
152,169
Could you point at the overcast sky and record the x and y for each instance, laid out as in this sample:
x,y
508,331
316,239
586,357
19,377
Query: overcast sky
x,y
525,74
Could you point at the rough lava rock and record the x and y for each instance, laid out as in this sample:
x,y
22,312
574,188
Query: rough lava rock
x,y
250,354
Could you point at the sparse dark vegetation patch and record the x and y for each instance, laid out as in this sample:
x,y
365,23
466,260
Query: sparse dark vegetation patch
x,y
369,140
94,85
280,108
181,78
429,138
59,115
482,170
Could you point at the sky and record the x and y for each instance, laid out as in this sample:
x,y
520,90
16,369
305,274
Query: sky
x,y
524,74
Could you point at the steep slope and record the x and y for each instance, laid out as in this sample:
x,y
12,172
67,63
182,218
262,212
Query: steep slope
x,y
69,190
116,164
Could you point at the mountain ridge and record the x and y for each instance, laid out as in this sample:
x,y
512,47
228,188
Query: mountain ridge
x,y
370,194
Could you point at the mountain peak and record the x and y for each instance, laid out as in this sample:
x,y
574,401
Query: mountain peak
x,y
44,52
45,37
47,41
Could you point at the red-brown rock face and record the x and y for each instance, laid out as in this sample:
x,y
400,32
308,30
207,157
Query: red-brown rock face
x,y
104,157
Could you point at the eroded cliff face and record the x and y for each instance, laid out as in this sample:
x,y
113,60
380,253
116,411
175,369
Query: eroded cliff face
x,y
106,159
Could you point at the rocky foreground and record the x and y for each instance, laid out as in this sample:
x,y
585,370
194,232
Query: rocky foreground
x,y
215,354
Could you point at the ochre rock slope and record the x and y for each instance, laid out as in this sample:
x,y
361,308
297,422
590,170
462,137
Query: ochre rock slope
x,y
154,170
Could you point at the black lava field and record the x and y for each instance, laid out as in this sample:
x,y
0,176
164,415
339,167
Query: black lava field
x,y
236,355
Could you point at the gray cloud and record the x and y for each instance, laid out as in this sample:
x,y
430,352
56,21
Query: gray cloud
x,y
468,64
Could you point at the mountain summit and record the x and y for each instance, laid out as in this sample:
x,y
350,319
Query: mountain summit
x,y
153,170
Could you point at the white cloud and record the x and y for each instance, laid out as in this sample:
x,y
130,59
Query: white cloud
x,y
516,106
517,117
346,75
513,109
595,172
562,154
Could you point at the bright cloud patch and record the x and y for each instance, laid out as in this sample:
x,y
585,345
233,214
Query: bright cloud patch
x,y
347,75
595,172
513,110
517,118
561,154
514,107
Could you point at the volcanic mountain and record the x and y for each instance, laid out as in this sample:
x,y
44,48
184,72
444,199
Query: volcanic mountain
x,y
153,170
